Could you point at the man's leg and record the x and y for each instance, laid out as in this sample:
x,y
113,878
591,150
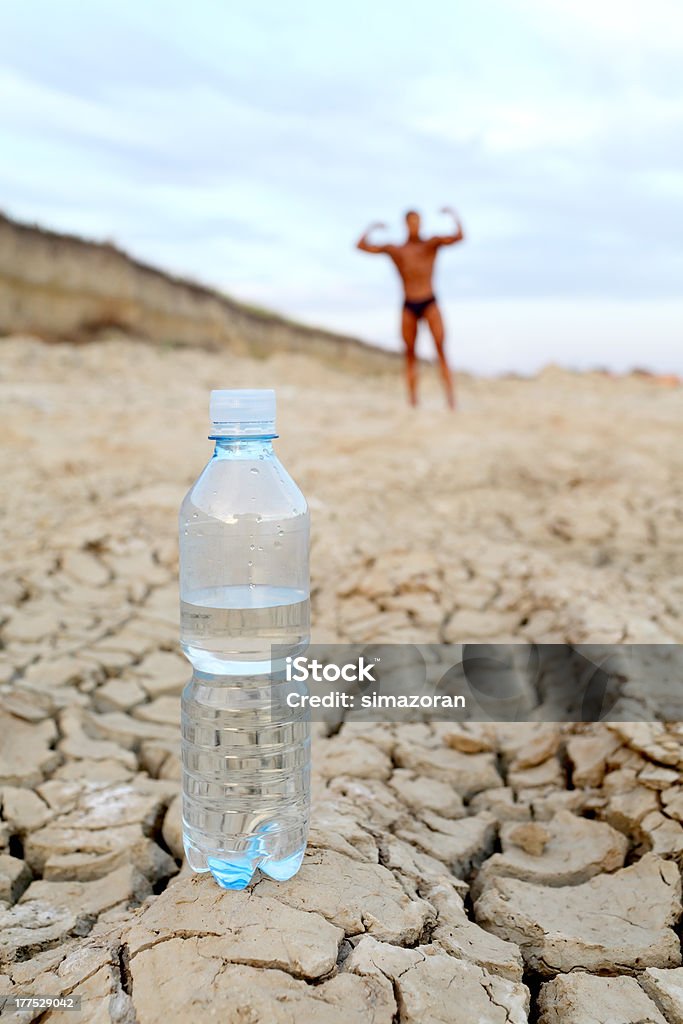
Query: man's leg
x,y
409,331
433,318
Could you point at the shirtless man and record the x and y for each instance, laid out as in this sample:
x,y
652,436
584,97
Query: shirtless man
x,y
414,260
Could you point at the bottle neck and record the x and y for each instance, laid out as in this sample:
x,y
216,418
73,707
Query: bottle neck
x,y
242,447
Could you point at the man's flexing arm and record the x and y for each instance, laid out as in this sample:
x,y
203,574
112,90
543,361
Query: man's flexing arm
x,y
451,239
366,246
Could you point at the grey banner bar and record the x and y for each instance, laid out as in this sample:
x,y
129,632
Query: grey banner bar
x,y
480,682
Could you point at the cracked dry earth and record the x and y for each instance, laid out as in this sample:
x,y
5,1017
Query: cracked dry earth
x,y
495,874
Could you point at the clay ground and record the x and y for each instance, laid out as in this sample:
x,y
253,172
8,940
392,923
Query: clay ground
x,y
497,874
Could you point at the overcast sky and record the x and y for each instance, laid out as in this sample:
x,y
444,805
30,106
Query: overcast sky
x,y
249,144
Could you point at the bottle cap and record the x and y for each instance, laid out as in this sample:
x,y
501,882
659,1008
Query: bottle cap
x,y
243,412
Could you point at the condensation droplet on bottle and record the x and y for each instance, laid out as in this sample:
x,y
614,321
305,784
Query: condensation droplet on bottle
x,y
195,515
251,547
253,470
259,518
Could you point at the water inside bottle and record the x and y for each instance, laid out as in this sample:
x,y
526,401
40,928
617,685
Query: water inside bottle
x,y
246,755
246,778
229,630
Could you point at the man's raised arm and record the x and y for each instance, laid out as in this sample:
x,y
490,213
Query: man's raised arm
x,y
457,235
365,246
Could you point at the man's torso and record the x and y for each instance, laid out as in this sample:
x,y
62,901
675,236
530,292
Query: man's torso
x,y
415,264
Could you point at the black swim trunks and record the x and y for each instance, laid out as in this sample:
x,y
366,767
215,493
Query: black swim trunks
x,y
418,309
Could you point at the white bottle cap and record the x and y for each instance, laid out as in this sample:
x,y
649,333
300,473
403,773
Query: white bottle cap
x,y
243,412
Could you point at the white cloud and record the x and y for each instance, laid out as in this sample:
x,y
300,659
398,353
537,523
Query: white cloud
x,y
647,24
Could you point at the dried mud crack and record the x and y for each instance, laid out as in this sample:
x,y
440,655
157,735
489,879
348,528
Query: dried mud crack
x,y
503,874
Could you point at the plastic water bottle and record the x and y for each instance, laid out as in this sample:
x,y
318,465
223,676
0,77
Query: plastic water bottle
x,y
244,586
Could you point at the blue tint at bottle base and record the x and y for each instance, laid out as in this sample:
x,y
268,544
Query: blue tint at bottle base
x,y
237,871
